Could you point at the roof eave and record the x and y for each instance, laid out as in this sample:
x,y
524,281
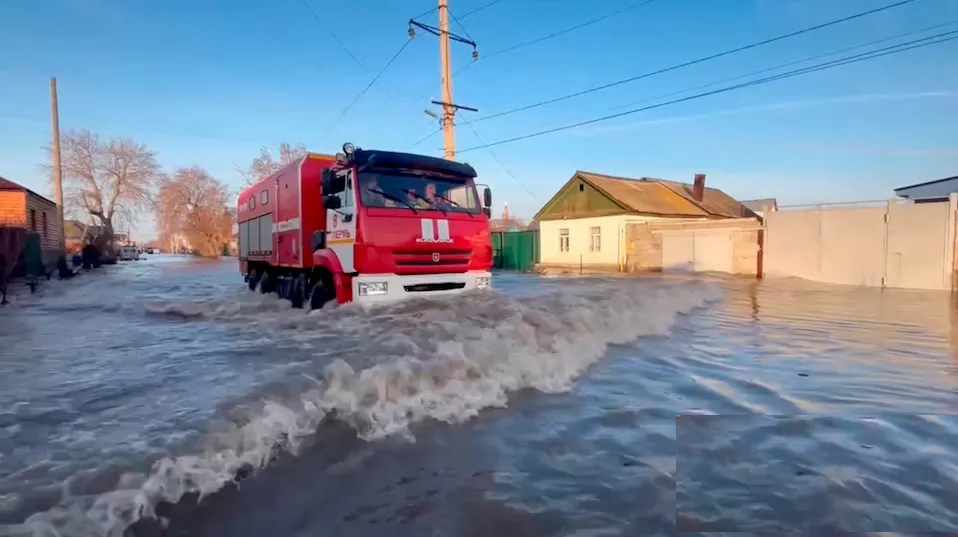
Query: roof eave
x,y
927,183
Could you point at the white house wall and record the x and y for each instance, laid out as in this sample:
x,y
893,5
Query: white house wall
x,y
612,248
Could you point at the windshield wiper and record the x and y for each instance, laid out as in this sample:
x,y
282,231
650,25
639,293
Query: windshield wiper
x,y
430,202
390,197
454,204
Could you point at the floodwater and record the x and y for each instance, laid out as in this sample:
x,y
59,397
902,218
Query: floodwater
x,y
551,407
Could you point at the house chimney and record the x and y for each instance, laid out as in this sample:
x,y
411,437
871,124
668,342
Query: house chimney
x,y
698,187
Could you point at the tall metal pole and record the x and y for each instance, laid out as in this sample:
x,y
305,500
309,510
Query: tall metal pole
x,y
445,66
57,169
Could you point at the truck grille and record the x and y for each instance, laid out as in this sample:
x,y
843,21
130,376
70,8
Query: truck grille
x,y
452,258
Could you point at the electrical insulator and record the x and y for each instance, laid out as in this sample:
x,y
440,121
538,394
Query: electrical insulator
x,y
475,55
412,33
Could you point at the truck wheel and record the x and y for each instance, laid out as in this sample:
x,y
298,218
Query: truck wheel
x,y
320,295
265,284
252,280
297,294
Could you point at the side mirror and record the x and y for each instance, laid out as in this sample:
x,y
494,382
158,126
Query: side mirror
x,y
487,211
487,197
332,202
331,183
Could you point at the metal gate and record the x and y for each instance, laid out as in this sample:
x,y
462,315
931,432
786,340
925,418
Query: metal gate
x,y
515,250
704,250
891,245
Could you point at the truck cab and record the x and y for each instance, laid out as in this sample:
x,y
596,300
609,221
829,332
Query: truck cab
x,y
400,225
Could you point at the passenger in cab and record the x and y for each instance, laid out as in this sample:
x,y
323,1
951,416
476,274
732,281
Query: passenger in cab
x,y
372,195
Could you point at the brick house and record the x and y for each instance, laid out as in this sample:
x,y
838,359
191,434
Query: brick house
x,y
24,208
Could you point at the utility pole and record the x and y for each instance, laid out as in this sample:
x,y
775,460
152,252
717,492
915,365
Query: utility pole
x,y
445,66
449,107
57,169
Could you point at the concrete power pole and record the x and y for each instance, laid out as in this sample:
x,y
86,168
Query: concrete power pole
x,y
445,67
449,107
57,169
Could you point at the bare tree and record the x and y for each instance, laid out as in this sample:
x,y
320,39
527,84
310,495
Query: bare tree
x,y
192,202
111,180
265,164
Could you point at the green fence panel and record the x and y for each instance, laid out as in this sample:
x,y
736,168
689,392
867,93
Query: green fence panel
x,y
497,255
519,250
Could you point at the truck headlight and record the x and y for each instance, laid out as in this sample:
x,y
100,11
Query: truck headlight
x,y
372,288
482,282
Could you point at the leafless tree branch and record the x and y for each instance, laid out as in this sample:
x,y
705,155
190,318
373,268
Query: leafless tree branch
x,y
193,203
264,164
112,180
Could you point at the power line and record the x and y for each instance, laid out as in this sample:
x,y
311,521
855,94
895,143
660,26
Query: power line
x,y
700,60
545,37
480,8
491,153
789,64
894,49
371,82
567,30
424,138
501,164
346,49
428,12
457,21
468,13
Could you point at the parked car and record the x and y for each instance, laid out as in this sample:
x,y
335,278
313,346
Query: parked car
x,y
129,253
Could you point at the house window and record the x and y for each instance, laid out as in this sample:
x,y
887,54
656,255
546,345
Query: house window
x,y
252,203
45,225
33,220
595,239
264,197
564,240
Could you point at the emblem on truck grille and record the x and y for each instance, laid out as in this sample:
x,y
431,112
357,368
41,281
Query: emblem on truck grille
x,y
435,258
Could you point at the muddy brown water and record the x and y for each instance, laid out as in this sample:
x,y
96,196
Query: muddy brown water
x,y
555,406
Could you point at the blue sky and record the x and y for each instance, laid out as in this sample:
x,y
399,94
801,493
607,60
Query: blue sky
x,y
208,83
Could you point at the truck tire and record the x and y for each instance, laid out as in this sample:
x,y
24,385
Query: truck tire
x,y
297,293
319,295
266,284
252,280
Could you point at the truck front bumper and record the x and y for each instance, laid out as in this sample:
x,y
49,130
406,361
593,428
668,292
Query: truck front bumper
x,y
381,288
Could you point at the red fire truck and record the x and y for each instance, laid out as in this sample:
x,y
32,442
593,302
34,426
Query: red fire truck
x,y
365,226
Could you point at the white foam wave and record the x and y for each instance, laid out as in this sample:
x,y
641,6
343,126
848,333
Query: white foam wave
x,y
457,358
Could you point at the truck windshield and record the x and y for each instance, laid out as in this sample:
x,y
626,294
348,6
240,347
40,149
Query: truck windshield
x,y
420,192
